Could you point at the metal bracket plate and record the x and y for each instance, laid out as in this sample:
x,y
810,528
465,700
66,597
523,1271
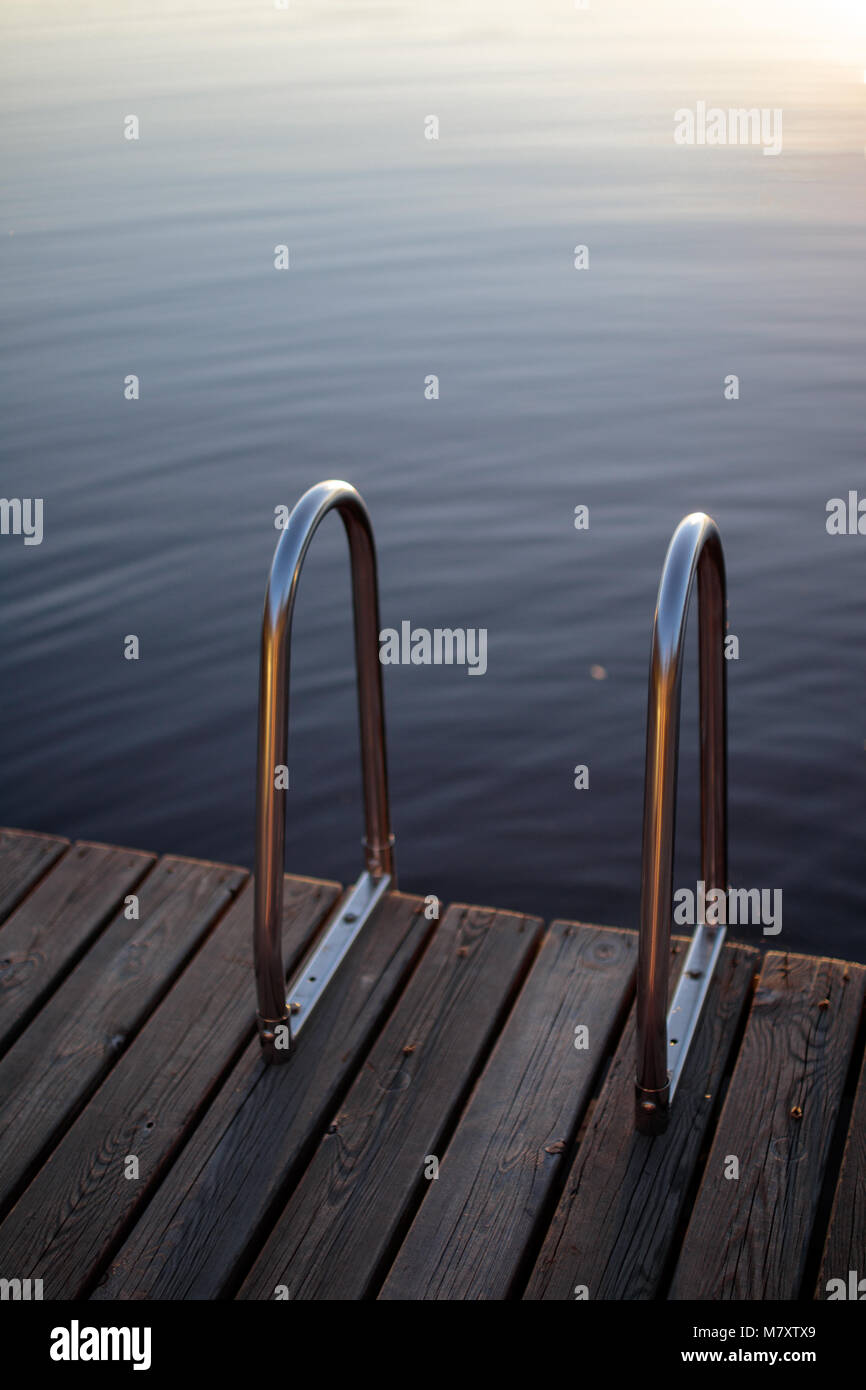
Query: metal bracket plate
x,y
340,931
691,991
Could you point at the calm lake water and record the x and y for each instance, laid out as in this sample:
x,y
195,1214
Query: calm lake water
x,y
558,387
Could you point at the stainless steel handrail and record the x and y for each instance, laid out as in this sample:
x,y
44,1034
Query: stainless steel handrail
x,y
281,1014
663,1039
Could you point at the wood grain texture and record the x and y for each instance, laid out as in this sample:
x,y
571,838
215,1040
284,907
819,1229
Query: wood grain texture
x,y
89,1020
78,1206
477,1219
217,1203
616,1222
845,1246
368,1172
24,858
748,1237
56,923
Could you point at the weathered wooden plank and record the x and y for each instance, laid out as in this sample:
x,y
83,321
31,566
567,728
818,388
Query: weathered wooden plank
x,y
845,1246
212,1212
78,1035
24,858
368,1171
69,1219
748,1237
41,941
616,1222
477,1219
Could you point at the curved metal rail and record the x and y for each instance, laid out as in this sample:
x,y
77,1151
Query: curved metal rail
x,y
663,1038
276,1006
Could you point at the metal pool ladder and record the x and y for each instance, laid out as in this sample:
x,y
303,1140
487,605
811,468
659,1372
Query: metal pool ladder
x,y
663,1038
281,1013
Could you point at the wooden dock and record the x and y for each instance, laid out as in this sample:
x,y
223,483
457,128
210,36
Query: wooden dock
x,y
148,1153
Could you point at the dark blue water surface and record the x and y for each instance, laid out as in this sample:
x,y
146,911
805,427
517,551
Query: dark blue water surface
x,y
557,387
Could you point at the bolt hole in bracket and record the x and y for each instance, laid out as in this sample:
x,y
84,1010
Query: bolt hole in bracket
x,y
282,1014
663,1038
